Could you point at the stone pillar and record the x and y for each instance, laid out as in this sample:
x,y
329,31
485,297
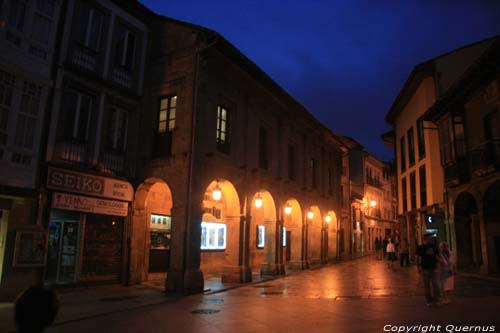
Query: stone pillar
x,y
484,244
235,271
269,265
280,248
138,230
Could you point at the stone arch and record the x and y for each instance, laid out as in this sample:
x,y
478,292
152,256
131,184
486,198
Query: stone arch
x,y
263,233
152,226
491,208
314,235
220,229
293,223
468,242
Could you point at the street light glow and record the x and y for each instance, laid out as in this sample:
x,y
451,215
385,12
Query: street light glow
x,y
258,201
373,203
288,209
310,215
217,193
328,219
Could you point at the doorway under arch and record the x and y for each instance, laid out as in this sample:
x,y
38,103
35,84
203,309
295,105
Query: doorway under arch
x,y
331,236
492,226
314,227
292,235
467,234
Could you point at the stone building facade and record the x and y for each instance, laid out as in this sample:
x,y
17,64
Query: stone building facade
x,y
230,158
468,121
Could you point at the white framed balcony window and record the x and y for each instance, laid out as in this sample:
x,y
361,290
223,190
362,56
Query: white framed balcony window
x,y
27,118
125,49
89,26
118,130
78,112
213,236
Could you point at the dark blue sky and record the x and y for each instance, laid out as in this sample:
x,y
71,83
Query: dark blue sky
x,y
344,60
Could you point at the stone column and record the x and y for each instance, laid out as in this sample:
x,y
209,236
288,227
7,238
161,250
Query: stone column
x,y
235,270
484,244
269,265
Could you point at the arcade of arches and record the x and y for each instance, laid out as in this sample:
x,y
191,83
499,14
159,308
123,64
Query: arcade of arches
x,y
477,230
239,235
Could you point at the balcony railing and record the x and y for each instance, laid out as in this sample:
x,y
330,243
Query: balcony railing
x,y
73,152
123,77
485,157
83,57
373,181
113,163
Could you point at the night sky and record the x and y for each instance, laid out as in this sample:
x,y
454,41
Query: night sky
x,y
345,61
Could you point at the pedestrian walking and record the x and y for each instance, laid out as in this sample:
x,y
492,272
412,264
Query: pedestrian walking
x,y
35,309
446,271
427,265
404,253
391,254
384,246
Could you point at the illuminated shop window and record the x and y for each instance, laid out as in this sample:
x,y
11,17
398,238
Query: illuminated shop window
x,y
213,236
166,116
261,235
284,237
160,232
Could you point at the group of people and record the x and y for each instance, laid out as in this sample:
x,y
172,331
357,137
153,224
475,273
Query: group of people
x,y
436,265
389,247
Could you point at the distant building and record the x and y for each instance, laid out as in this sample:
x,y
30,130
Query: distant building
x,y
468,119
421,179
370,195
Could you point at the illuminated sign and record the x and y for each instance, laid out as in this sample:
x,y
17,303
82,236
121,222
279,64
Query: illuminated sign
x,y
89,205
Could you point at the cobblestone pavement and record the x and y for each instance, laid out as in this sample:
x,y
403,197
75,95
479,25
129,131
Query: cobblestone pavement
x,y
358,296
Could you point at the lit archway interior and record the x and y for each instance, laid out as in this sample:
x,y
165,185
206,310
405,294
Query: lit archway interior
x,y
262,232
220,228
314,236
331,225
153,199
292,237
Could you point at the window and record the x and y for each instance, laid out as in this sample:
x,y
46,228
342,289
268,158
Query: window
x,y
42,21
459,136
423,186
223,128
78,111
411,147
28,115
89,25
125,48
283,243
313,168
166,115
17,15
117,130
261,236
413,191
263,149
7,82
330,181
404,194
402,157
291,162
452,139
213,236
421,138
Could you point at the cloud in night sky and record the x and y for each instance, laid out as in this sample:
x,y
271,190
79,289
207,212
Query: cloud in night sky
x,y
345,61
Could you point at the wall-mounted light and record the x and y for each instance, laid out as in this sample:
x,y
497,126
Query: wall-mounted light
x,y
310,215
217,193
258,201
288,209
328,219
373,203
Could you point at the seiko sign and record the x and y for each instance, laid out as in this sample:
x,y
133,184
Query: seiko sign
x,y
60,179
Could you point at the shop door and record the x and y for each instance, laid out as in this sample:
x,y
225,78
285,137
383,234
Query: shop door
x,y
102,248
63,248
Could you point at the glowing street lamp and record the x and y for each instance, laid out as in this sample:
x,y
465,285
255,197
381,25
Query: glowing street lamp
x,y
217,193
258,201
288,209
373,203
310,215
328,219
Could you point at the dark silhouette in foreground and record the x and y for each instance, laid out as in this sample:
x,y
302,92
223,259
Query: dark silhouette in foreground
x,y
35,309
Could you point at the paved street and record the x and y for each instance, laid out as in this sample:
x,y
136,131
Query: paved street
x,y
361,295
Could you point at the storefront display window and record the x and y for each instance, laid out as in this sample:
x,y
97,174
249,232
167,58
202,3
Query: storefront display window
x,y
213,236
261,234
